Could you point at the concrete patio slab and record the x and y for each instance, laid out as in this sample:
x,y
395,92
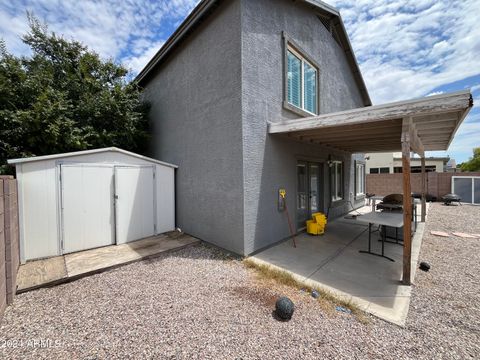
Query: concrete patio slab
x,y
333,263
51,271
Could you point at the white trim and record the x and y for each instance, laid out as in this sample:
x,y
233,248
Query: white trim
x,y
87,152
21,217
59,212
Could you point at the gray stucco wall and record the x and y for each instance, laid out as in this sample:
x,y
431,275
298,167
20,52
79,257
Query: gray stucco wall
x,y
211,102
269,162
196,120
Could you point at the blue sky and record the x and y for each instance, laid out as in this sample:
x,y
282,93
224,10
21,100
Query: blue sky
x,y
406,49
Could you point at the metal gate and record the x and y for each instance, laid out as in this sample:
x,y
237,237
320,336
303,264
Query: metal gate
x,y
467,187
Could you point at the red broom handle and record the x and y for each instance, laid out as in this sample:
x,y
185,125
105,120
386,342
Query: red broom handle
x,y
290,225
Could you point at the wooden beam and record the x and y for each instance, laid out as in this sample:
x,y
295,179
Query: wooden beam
x,y
434,131
427,128
463,115
450,116
358,136
411,136
429,143
407,210
386,142
424,190
385,125
432,105
359,141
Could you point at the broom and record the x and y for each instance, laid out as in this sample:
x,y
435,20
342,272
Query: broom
x,y
288,218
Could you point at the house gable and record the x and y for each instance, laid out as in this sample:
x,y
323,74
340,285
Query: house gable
x,y
328,15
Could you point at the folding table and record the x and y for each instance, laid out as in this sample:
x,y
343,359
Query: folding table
x,y
383,219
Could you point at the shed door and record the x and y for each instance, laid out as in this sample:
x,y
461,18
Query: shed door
x,y
87,207
135,203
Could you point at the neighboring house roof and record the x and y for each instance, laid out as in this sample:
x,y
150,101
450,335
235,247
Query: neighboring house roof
x,y
206,7
452,163
88,152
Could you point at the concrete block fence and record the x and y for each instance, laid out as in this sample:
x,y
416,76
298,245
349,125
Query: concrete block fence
x,y
438,184
9,241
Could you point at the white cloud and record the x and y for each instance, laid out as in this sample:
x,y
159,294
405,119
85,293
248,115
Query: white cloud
x,y
405,48
122,30
475,87
408,48
10,29
435,93
466,139
137,62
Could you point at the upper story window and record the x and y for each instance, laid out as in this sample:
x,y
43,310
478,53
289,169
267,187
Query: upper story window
x,y
302,82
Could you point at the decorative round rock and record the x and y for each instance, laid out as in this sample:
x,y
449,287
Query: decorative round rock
x,y
424,266
284,308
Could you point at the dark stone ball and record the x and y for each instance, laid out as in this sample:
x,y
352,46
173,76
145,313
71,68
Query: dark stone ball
x,y
424,266
284,308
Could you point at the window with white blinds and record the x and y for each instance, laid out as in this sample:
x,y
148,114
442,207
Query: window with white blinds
x,y
294,80
301,82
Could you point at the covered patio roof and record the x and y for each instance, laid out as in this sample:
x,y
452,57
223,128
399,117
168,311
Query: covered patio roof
x,y
434,121
418,125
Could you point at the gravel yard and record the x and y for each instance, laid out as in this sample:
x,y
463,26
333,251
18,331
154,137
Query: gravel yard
x,y
198,303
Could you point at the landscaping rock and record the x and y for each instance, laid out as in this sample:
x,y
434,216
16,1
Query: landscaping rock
x,y
284,308
424,266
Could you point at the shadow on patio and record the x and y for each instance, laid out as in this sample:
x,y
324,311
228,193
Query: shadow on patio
x,y
333,262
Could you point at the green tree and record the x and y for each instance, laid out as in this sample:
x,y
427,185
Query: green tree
x,y
63,98
473,164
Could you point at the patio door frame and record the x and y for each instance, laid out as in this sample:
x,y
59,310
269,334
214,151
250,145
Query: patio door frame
x,y
300,223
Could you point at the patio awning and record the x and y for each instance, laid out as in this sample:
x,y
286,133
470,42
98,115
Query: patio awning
x,y
417,125
434,119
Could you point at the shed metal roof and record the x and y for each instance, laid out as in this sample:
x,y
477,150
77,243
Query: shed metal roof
x,y
378,128
206,7
88,152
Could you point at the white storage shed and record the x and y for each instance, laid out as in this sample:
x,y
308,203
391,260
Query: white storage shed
x,y
87,199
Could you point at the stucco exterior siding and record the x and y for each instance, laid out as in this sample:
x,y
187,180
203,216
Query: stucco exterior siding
x,y
196,123
211,102
269,161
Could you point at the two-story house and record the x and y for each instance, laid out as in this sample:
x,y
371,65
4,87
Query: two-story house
x,y
230,73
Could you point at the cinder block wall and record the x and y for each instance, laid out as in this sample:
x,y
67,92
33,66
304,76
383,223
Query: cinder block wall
x,y
9,240
438,184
